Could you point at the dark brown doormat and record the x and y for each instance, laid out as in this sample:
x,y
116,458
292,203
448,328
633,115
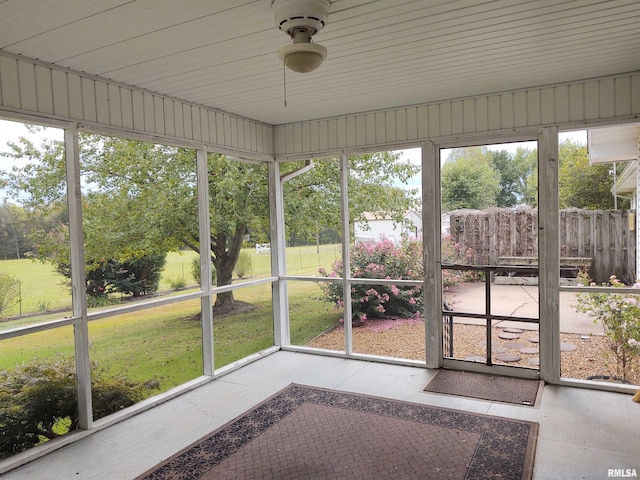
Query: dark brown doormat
x,y
484,386
311,433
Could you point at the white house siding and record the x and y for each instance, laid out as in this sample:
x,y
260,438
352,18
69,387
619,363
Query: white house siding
x,y
571,105
33,88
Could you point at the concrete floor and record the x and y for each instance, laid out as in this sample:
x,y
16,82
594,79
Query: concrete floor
x,y
583,433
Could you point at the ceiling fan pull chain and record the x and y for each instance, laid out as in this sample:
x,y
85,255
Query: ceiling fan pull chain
x,y
284,77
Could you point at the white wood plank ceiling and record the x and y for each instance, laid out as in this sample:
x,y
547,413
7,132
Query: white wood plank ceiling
x,y
382,53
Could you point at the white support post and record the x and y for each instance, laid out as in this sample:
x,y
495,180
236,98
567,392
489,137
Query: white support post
x,y
202,176
78,283
346,254
431,241
278,258
549,254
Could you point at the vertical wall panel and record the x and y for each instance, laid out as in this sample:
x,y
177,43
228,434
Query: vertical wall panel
x,y
351,131
332,134
138,110
494,112
341,131
520,114
44,89
412,123
323,134
74,84
102,103
361,130
315,136
469,114
400,117
622,93
196,126
481,114
115,113
457,117
9,82
148,113
178,119
445,118
389,132
607,98
547,105
212,126
204,127
381,126
306,137
423,121
169,117
281,139
158,115
232,127
506,110
88,99
220,129
60,93
370,125
126,107
27,79
533,107
434,120
591,103
561,99
576,102
187,121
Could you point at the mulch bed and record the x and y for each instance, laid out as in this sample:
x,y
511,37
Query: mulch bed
x,y
405,338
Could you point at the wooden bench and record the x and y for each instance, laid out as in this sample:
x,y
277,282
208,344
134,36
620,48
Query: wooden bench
x,y
569,266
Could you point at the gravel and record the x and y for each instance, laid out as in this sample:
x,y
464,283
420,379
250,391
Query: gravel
x,y
406,339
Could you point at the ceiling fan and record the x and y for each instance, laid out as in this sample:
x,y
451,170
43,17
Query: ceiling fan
x,y
301,19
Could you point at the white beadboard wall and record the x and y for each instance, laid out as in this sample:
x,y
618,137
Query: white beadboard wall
x,y
584,103
33,88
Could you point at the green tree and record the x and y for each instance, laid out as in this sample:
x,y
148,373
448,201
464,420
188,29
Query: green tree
x,y
9,292
514,170
141,198
582,185
469,179
13,231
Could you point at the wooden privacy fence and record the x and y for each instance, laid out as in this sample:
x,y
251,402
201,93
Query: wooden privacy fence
x,y
606,237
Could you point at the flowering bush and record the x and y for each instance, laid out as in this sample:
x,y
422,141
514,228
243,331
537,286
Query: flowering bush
x,y
382,260
620,318
453,253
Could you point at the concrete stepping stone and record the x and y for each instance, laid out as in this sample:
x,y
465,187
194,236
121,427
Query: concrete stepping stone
x,y
513,330
534,361
508,357
567,347
508,336
535,339
515,345
475,358
530,350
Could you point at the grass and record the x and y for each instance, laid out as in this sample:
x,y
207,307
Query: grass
x,y
165,343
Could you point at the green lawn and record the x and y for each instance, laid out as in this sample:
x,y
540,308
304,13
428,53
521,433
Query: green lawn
x,y
165,343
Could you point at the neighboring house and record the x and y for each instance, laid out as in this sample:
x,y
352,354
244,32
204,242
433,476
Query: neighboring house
x,y
377,226
620,143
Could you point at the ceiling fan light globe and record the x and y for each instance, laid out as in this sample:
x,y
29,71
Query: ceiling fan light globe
x,y
303,57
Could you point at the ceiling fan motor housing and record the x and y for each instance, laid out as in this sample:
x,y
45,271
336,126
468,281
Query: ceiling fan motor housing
x,y
293,16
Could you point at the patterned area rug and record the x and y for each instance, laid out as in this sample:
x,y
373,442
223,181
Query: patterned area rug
x,y
312,433
519,391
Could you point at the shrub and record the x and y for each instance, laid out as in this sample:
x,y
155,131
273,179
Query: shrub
x,y
9,292
381,260
177,283
244,265
43,306
38,401
195,271
620,318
